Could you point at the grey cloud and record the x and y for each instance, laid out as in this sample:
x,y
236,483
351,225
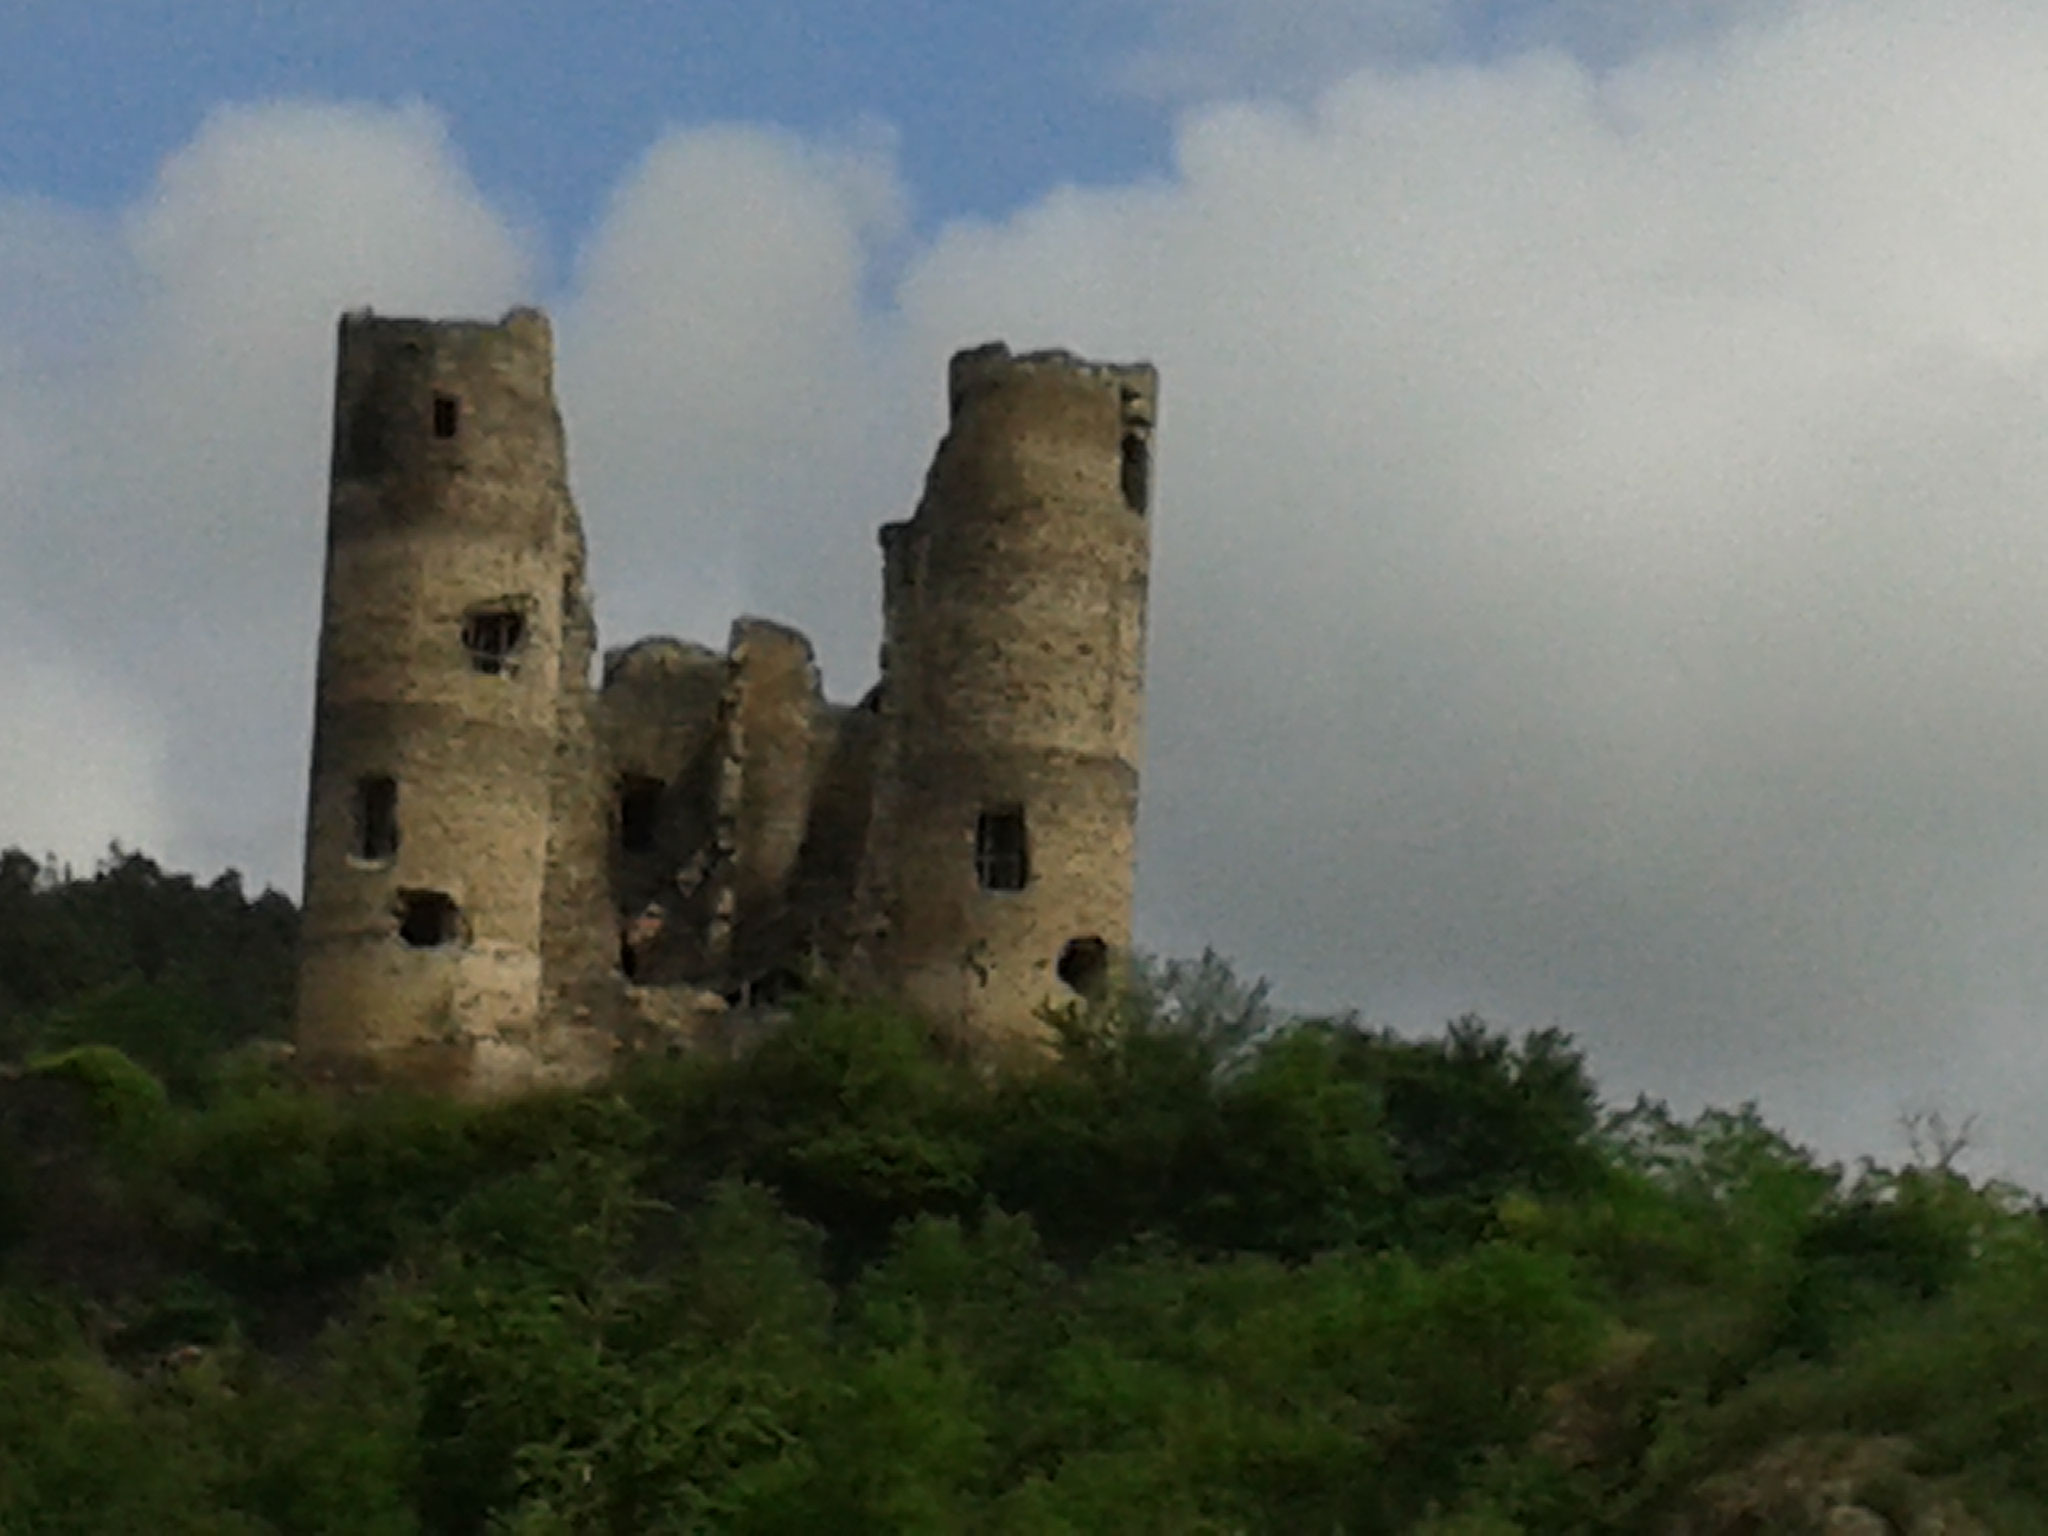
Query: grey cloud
x,y
1599,559
1599,562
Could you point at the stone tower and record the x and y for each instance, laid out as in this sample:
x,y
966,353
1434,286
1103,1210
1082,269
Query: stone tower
x,y
1001,859
511,872
444,833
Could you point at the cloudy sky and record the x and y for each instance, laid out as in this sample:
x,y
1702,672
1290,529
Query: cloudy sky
x,y
1602,540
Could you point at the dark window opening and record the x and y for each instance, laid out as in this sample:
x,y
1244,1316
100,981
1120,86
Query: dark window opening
x,y
447,415
428,919
637,935
639,813
1002,853
492,637
770,991
376,818
1137,472
1084,965
778,987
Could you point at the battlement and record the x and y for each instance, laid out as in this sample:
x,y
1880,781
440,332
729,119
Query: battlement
x,y
993,365
509,876
519,320
383,355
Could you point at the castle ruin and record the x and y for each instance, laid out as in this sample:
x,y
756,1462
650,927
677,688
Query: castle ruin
x,y
511,868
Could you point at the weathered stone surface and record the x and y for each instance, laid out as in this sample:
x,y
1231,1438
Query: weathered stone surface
x,y
449,503
1014,656
555,871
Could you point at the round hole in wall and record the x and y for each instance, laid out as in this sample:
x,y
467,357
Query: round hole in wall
x,y
428,919
1084,965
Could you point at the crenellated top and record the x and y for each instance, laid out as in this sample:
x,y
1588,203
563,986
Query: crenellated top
x,y
992,365
428,409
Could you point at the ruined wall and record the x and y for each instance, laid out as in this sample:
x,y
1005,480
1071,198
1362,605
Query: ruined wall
x,y
773,714
825,887
716,761
1001,856
510,871
579,923
438,706
660,718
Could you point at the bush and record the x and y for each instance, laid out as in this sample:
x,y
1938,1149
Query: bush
x,y
288,1191
129,1105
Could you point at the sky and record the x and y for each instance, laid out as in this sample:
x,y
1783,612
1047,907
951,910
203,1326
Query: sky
x,y
1601,536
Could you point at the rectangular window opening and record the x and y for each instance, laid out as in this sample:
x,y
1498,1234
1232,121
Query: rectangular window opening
x,y
1137,472
428,919
376,829
1002,852
639,813
447,415
492,637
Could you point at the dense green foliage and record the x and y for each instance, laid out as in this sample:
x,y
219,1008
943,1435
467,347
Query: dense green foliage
x,y
1210,1271
170,972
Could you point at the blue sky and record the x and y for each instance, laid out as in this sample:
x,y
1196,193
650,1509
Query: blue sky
x,y
990,103
1599,569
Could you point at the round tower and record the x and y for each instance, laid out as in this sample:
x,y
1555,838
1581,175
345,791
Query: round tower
x,y
1014,639
452,586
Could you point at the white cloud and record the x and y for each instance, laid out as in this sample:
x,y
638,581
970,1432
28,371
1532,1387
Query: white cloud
x,y
164,526
735,430
78,761
1599,561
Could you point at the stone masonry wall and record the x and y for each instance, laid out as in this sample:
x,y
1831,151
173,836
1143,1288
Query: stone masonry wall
x,y
659,714
579,926
774,709
1014,644
511,872
449,524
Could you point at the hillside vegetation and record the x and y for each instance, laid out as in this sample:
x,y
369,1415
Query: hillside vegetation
x,y
1210,1271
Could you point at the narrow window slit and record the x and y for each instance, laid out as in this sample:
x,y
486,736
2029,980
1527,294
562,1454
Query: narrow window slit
x,y
447,415
1137,471
376,828
1002,851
